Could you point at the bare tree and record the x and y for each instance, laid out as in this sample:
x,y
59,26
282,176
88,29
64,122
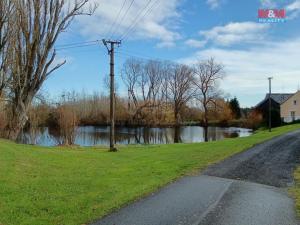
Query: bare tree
x,y
207,76
153,73
179,88
153,78
36,26
131,73
5,17
143,81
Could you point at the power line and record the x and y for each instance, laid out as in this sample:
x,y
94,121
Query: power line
x,y
139,17
76,46
138,55
124,15
136,18
117,18
77,51
76,43
133,54
147,13
132,27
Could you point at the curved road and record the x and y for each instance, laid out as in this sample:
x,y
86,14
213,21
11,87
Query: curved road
x,y
245,189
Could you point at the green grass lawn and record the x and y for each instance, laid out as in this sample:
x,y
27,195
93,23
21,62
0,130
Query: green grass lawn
x,y
40,185
295,190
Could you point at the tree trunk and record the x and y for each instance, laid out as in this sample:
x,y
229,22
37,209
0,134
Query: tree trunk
x,y
177,138
205,133
205,124
17,121
177,116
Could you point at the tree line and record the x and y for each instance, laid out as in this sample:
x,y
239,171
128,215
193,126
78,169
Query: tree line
x,y
164,85
159,93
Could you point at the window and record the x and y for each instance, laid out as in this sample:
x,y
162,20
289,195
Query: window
x,y
293,115
295,102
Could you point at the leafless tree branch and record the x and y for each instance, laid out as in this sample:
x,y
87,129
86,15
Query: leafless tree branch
x,y
36,27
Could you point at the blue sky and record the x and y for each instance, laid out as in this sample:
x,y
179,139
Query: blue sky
x,y
186,31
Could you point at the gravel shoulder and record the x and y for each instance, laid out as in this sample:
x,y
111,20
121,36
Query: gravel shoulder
x,y
271,163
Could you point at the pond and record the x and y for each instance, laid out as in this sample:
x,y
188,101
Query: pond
x,y
99,135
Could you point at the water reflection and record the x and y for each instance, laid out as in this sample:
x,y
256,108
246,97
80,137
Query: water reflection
x,y
99,135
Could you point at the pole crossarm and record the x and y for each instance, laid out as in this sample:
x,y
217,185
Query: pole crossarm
x,y
111,42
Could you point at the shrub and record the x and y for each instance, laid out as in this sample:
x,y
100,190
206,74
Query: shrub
x,y
66,123
254,119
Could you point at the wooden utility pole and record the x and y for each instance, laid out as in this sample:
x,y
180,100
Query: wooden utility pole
x,y
270,104
111,52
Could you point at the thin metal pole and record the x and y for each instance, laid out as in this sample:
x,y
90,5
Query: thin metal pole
x,y
270,105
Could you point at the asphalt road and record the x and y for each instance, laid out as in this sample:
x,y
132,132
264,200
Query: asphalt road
x,y
232,192
271,163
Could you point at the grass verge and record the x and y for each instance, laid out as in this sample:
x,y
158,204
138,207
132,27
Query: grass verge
x,y
295,190
40,185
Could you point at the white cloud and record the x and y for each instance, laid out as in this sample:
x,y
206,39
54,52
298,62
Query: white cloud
x,y
293,6
160,23
213,4
165,44
269,4
293,9
195,43
234,33
247,70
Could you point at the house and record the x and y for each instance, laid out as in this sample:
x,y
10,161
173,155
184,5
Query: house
x,y
290,108
277,99
284,107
